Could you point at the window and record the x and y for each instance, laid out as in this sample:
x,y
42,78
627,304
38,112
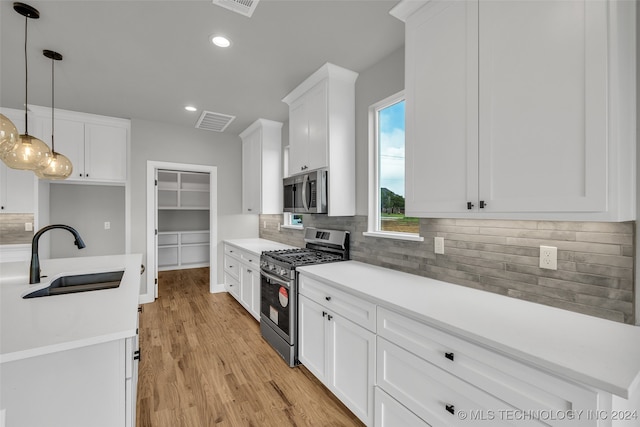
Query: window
x,y
386,172
292,220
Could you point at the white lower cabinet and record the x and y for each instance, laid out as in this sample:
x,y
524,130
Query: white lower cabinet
x,y
250,289
449,381
242,278
390,413
87,386
338,351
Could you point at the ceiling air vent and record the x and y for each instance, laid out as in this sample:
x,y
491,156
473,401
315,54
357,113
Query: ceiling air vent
x,y
214,121
243,7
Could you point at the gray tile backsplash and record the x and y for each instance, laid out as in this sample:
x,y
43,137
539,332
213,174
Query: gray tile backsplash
x,y
12,228
595,259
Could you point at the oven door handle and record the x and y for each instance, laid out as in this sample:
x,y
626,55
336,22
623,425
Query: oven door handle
x,y
276,279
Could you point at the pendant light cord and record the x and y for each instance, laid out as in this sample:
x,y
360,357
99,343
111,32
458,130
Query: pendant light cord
x,y
53,149
26,77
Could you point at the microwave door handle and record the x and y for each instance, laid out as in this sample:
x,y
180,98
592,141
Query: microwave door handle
x,y
305,181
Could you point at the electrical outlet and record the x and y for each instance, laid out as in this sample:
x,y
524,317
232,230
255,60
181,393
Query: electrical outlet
x,y
107,225
28,226
438,245
549,257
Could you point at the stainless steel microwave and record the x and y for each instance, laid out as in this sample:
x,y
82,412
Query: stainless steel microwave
x,y
306,193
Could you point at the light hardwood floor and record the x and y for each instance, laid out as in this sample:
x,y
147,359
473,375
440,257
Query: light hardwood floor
x,y
204,363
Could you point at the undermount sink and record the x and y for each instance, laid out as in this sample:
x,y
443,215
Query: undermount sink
x,y
79,283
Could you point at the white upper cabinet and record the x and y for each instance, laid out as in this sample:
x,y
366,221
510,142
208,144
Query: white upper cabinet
x,y
322,132
262,168
308,135
520,109
17,187
96,145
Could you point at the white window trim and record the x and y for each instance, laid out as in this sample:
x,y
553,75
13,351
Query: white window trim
x,y
374,196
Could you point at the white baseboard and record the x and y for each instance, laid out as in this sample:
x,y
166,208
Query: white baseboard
x,y
218,288
149,298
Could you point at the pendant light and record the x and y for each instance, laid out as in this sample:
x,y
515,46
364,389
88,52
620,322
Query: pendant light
x,y
30,153
9,136
60,166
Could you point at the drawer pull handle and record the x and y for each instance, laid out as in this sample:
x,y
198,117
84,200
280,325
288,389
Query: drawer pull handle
x,y
329,317
324,313
449,356
450,409
327,298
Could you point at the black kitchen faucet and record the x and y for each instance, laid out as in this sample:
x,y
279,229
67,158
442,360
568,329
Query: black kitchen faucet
x,y
34,268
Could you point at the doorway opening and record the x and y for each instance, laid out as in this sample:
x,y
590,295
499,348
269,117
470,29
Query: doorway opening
x,y
181,220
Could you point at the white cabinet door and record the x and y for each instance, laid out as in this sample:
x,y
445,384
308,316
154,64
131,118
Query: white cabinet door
x,y
17,187
69,141
316,109
251,172
441,108
17,190
543,106
308,130
246,287
105,152
298,137
312,331
339,353
351,365
250,289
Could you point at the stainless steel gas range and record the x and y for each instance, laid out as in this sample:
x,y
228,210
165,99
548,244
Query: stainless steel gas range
x,y
279,286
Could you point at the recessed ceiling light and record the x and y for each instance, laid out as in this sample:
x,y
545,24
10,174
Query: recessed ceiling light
x,y
220,41
190,108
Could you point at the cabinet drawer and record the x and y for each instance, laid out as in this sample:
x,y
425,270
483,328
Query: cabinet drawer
x,y
245,256
349,306
231,250
517,384
251,259
231,266
430,392
232,285
390,413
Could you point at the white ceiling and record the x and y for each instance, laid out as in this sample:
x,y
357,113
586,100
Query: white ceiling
x,y
148,59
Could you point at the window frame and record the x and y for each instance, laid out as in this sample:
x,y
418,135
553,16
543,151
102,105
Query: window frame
x,y
373,219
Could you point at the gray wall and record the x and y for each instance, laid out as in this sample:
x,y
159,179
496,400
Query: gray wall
x,y
86,208
169,143
374,84
595,260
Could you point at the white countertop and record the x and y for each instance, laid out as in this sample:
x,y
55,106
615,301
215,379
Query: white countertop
x,y
593,351
37,326
256,246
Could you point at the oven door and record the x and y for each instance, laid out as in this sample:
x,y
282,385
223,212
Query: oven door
x,y
277,305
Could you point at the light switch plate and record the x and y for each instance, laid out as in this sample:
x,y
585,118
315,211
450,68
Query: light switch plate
x,y
28,226
438,245
107,225
549,257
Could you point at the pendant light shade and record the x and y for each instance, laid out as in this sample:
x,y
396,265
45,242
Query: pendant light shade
x,y
9,136
30,153
60,166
